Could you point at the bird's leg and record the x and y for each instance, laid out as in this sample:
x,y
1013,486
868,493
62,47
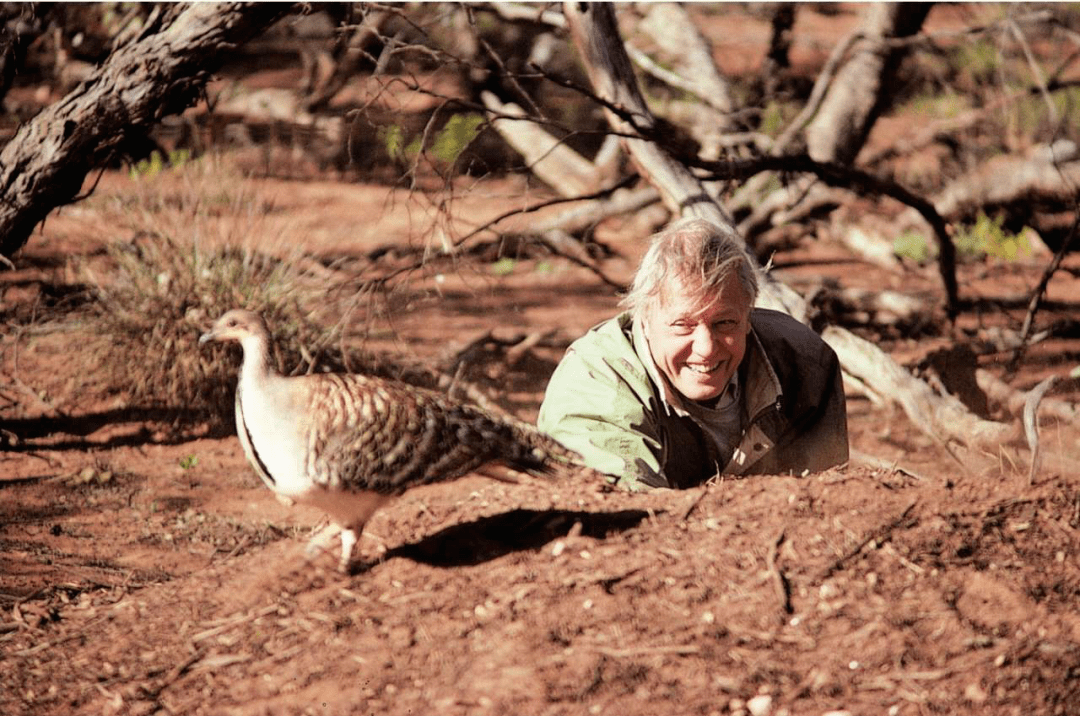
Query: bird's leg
x,y
349,538
321,540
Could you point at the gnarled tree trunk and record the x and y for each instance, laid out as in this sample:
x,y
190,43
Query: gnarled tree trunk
x,y
45,163
856,95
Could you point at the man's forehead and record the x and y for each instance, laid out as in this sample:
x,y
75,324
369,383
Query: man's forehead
x,y
675,300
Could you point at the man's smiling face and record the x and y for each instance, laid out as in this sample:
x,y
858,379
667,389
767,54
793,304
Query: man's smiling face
x,y
698,348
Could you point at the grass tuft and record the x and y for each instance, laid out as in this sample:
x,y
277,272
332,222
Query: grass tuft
x,y
176,276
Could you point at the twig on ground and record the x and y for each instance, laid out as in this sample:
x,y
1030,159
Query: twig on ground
x,y
780,580
1031,423
697,501
878,535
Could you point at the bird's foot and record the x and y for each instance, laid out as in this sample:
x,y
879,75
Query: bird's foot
x,y
349,538
321,541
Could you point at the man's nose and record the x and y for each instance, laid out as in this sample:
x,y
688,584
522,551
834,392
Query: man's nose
x,y
706,341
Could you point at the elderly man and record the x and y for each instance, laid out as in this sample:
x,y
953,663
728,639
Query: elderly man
x,y
692,381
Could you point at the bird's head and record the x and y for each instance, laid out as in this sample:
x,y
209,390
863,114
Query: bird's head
x,y
236,325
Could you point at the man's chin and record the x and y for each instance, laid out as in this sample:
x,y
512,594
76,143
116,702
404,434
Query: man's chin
x,y
699,391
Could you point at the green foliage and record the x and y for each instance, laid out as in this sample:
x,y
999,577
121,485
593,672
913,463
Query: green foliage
x,y
456,136
188,461
980,59
447,145
937,106
504,266
393,138
156,163
913,246
987,237
772,119
1032,116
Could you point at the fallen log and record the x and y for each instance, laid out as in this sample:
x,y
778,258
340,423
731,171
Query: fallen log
x,y
1046,174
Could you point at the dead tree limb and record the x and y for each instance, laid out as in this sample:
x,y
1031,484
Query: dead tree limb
x,y
1050,173
45,163
695,71
854,100
550,159
1013,401
1037,295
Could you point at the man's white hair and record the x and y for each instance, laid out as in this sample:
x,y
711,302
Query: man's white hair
x,y
696,255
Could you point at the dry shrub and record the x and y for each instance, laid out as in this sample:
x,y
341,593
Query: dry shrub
x,y
198,251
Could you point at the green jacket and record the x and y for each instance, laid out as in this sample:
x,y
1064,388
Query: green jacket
x,y
604,401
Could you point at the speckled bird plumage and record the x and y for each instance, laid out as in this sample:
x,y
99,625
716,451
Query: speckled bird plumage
x,y
347,443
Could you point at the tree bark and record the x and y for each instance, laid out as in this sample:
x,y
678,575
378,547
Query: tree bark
x,y
860,90
671,26
45,163
777,62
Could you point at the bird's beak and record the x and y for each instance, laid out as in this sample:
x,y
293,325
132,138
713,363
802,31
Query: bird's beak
x,y
206,337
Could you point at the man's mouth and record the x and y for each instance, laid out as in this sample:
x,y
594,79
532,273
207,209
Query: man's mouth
x,y
704,369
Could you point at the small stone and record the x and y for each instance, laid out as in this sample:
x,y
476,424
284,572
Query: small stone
x,y
975,693
760,705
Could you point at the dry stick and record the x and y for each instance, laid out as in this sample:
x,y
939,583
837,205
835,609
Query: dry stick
x,y
673,78
817,94
877,535
457,243
1031,424
1037,295
697,501
745,194
780,580
1035,70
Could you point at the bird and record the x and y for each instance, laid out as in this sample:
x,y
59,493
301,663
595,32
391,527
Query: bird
x,y
348,443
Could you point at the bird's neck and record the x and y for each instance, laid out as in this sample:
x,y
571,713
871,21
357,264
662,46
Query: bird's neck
x,y
257,366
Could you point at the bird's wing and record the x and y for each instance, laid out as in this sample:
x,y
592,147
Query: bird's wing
x,y
368,434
